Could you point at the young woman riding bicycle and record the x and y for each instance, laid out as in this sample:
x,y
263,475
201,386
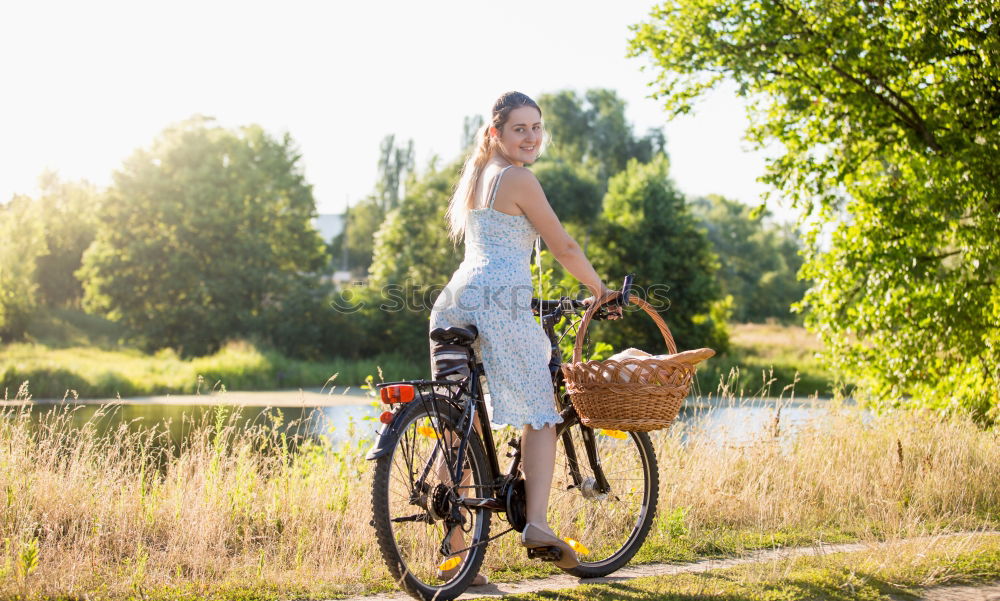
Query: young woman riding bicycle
x,y
499,209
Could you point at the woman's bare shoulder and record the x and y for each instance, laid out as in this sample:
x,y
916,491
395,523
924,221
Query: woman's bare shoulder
x,y
521,179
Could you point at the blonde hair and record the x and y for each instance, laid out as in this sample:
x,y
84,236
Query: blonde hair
x,y
464,196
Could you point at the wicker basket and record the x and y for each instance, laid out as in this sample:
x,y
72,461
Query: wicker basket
x,y
633,394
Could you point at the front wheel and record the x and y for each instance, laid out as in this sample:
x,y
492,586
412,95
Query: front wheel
x,y
611,524
413,497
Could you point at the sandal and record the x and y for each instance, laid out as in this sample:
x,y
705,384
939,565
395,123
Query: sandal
x,y
534,537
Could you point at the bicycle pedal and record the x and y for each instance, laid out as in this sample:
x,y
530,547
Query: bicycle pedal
x,y
545,553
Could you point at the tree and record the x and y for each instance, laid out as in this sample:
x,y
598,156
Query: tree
x,y
413,259
358,236
758,261
647,229
395,163
395,166
470,127
22,241
573,191
67,213
201,234
592,130
887,114
412,246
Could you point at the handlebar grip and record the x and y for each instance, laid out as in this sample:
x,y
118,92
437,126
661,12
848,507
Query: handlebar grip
x,y
626,291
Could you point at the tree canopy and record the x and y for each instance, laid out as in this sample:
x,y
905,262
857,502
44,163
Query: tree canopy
x,y
202,235
758,260
647,229
592,131
42,241
22,241
888,116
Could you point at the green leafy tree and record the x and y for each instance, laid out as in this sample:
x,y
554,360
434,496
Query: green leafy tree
x,y
758,261
413,258
22,241
395,167
201,234
470,127
887,116
358,236
67,212
648,230
395,163
592,130
412,246
573,191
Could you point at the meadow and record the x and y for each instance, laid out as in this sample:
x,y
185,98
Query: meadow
x,y
73,355
248,512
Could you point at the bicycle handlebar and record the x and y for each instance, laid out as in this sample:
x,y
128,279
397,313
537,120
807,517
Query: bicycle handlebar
x,y
567,305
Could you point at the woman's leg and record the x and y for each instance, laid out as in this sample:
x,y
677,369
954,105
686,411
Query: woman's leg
x,y
538,454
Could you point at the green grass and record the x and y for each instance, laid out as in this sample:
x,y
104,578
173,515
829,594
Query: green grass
x,y
901,570
72,354
767,359
91,372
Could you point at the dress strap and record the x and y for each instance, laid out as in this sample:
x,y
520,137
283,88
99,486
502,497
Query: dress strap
x,y
496,186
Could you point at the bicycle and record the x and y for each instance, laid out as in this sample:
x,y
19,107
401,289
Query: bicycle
x,y
437,469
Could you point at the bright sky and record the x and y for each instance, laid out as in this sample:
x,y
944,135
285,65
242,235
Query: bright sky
x,y
86,83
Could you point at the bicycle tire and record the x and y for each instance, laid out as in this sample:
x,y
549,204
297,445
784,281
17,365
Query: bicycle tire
x,y
611,526
411,549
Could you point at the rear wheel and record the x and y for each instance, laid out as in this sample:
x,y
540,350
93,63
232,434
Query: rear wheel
x,y
611,524
413,497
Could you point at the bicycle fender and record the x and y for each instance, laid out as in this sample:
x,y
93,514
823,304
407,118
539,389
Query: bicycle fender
x,y
390,432
386,438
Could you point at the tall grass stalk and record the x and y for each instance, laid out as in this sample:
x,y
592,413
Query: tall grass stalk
x,y
256,509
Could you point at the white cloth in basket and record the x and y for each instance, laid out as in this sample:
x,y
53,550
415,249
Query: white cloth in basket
x,y
692,357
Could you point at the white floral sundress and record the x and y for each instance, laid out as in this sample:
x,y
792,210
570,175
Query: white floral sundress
x,y
492,290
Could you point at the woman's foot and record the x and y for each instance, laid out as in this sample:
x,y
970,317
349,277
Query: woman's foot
x,y
534,537
479,580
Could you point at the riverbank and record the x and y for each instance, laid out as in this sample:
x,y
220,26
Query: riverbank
x,y
765,360
314,397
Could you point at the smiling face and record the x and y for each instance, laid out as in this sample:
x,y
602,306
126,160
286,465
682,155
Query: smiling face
x,y
520,140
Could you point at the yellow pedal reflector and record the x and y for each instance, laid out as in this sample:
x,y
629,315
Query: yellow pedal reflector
x,y
577,546
615,434
427,432
450,563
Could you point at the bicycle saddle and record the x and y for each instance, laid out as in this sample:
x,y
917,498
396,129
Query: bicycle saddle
x,y
454,335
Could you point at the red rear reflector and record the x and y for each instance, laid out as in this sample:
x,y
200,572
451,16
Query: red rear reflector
x,y
386,417
398,393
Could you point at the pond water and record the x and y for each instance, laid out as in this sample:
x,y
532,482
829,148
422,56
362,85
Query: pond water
x,y
724,421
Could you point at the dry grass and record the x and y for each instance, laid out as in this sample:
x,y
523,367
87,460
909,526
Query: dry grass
x,y
764,338
240,511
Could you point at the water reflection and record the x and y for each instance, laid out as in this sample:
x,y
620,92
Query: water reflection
x,y
722,422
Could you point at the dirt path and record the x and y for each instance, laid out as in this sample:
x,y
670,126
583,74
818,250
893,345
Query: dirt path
x,y
552,583
990,592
